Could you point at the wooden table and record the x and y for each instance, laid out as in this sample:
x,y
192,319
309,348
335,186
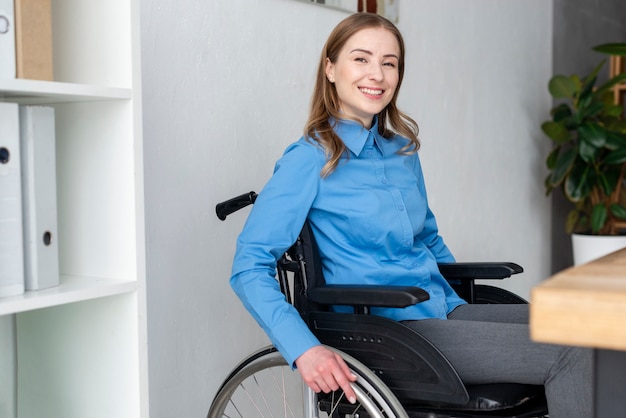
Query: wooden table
x,y
586,306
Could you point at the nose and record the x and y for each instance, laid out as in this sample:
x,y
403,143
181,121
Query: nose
x,y
376,72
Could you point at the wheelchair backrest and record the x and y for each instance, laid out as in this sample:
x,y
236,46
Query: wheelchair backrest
x,y
299,267
302,259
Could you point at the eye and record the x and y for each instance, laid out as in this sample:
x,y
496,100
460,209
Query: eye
x,y
360,59
390,64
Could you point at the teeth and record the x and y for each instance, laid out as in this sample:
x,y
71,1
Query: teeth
x,y
370,91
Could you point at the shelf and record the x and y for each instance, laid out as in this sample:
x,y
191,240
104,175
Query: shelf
x,y
71,289
81,347
51,92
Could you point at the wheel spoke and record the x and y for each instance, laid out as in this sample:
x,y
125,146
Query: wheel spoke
x,y
252,401
282,388
334,404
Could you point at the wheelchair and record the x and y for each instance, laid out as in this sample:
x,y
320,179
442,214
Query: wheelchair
x,y
399,372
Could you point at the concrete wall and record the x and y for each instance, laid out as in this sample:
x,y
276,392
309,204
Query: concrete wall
x,y
226,87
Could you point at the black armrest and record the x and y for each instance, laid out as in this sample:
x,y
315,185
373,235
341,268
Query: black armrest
x,y
368,295
473,271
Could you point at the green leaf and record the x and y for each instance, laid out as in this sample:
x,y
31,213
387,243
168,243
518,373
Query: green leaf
x,y
555,131
561,112
617,48
588,152
579,182
610,83
594,109
608,181
592,134
615,140
561,86
594,73
583,102
552,158
599,214
618,211
562,166
587,89
617,156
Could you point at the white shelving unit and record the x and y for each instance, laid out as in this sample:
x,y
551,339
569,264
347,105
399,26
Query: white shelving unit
x,y
81,346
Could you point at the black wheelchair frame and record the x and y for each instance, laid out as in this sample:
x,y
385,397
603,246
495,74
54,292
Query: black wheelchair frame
x,y
409,365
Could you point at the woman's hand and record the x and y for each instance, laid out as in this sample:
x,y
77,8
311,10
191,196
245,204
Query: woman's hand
x,y
325,371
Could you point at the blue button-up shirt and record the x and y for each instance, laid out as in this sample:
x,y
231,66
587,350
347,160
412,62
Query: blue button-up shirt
x,y
372,224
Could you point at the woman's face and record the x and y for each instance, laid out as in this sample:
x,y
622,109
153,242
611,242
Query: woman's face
x,y
365,73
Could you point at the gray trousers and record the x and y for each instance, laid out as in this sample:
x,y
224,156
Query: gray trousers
x,y
491,344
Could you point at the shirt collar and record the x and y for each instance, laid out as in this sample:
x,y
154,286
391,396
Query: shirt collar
x,y
355,136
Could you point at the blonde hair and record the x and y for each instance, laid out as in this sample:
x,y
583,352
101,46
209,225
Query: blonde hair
x,y
325,102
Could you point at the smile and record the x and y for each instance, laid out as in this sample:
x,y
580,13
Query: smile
x,y
371,91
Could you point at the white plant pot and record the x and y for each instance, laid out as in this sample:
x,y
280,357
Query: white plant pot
x,y
590,247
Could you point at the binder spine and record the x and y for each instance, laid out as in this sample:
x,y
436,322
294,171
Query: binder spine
x,y
11,250
33,39
8,67
39,209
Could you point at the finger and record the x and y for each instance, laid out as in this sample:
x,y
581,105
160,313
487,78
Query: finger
x,y
346,369
343,376
314,387
324,386
346,386
318,385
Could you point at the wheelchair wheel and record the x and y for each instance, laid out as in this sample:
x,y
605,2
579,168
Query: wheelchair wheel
x,y
263,385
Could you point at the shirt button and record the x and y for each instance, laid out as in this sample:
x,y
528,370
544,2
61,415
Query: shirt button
x,y
383,181
400,208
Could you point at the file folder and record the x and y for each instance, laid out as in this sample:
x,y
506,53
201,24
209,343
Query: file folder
x,y
7,40
33,39
39,200
11,247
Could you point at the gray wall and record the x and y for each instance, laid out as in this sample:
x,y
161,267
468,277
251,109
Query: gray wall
x,y
580,25
226,87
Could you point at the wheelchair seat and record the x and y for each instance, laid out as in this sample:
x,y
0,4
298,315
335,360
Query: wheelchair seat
x,y
417,373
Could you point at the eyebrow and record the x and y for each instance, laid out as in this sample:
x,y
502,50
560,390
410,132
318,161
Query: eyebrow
x,y
370,53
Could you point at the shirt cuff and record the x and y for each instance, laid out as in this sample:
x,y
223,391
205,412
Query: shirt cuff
x,y
292,339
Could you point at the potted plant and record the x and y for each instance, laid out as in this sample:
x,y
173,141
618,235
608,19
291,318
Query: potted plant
x,y
588,160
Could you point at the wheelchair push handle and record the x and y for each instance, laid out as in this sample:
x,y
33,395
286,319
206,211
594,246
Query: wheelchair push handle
x,y
229,206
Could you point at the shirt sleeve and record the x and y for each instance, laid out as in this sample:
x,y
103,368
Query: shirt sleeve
x,y
430,236
430,233
272,227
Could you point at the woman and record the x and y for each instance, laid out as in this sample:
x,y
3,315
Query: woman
x,y
356,176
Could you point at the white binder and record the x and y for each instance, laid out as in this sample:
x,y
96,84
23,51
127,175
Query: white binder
x,y
39,197
11,249
7,40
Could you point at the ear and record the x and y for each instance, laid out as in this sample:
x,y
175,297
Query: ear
x,y
330,70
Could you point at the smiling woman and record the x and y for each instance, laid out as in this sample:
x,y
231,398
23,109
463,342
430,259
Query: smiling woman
x,y
355,179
